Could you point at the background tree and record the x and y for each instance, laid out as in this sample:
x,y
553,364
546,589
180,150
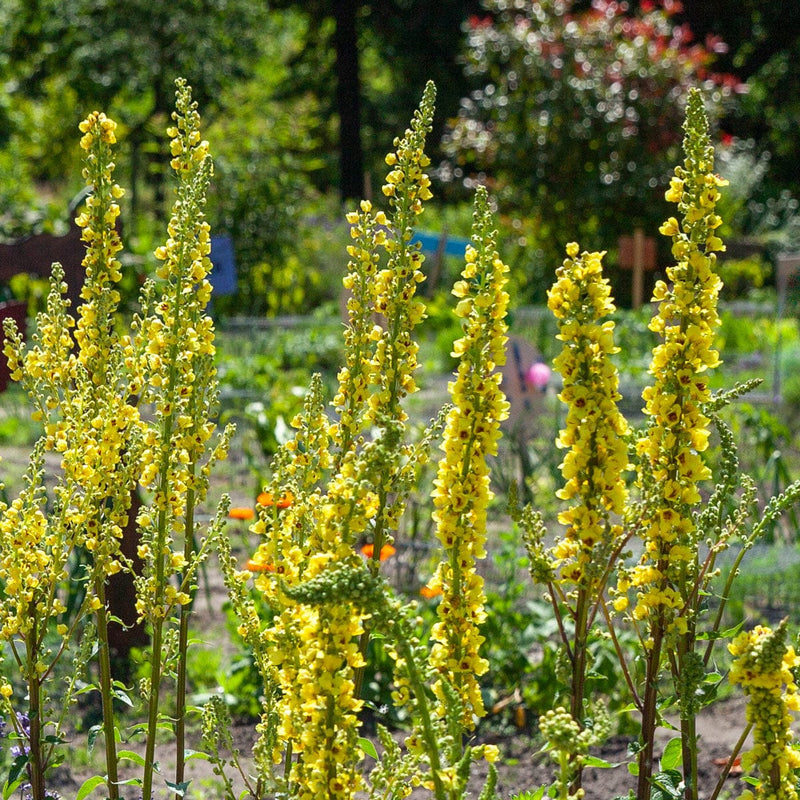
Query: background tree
x,y
577,118
124,57
368,61
763,38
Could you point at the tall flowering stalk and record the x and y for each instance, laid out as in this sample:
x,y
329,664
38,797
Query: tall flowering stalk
x,y
345,487
461,495
80,391
393,296
581,562
672,466
172,354
763,666
347,482
103,458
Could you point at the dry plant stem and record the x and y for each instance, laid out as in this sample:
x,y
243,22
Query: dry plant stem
x,y
106,693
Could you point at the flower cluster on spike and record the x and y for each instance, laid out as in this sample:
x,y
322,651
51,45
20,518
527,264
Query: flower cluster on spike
x,y
671,450
346,487
763,666
594,430
77,388
461,495
172,360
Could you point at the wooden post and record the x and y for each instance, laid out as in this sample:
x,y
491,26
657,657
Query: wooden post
x,y
638,268
637,253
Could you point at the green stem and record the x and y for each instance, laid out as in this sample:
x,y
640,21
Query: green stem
x,y
162,493
650,710
287,766
726,591
183,644
158,613
577,690
564,770
106,692
35,763
152,715
731,760
420,693
689,751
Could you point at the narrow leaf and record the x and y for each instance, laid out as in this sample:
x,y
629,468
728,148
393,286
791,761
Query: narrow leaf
x,y
89,785
368,747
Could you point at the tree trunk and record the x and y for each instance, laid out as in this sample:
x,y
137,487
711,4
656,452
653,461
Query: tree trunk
x,y
348,100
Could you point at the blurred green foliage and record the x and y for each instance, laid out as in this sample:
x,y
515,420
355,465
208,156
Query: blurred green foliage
x,y
577,119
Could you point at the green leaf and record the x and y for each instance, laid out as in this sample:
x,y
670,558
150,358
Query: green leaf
x,y
600,763
89,785
131,756
633,768
19,763
179,788
667,785
10,788
672,756
92,738
725,634
188,755
368,747
529,795
122,696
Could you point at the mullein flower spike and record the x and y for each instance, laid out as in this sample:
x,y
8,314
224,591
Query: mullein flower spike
x,y
678,431
764,667
593,437
461,496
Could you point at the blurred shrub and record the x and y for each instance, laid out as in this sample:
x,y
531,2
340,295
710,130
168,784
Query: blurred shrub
x,y
578,117
749,206
741,275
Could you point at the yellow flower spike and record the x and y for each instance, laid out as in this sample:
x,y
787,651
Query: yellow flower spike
x,y
686,322
597,458
763,667
462,491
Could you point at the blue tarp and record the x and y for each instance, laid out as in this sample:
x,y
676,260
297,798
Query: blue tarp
x,y
223,275
453,246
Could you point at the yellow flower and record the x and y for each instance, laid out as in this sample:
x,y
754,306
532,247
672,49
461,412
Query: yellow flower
x,y
763,667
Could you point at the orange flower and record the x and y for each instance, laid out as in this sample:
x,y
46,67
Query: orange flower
x,y
428,592
258,566
241,513
266,499
386,551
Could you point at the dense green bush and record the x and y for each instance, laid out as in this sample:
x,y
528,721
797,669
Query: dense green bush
x,y
576,119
